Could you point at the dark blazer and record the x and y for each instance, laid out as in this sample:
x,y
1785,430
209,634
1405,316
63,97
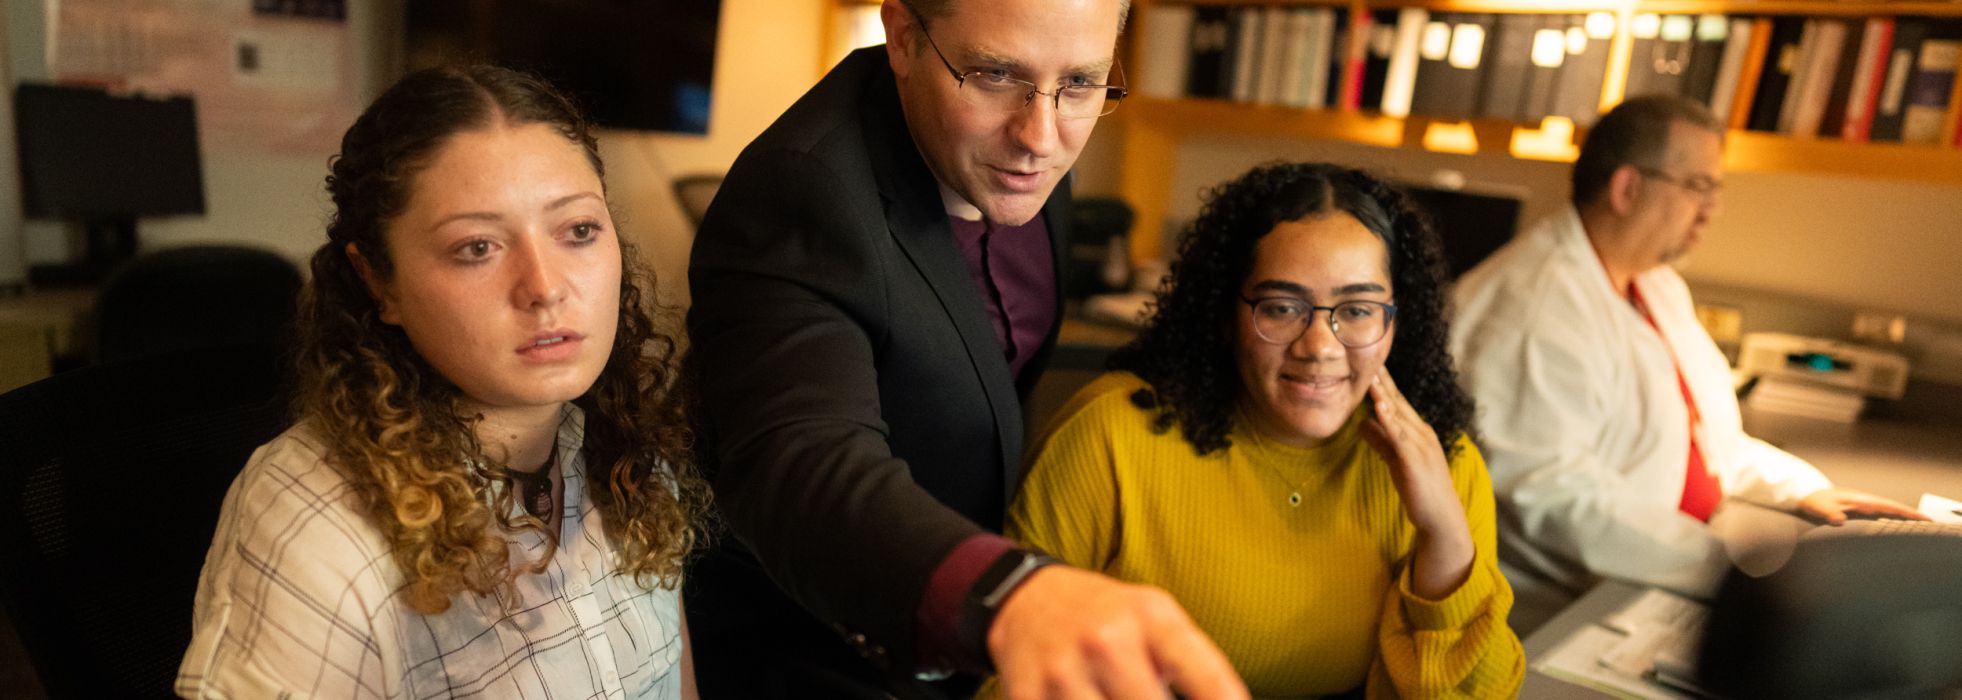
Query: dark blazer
x,y
859,418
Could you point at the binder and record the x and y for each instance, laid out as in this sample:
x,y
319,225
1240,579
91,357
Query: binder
x,y
1706,55
1833,122
1546,59
1752,74
1780,60
1870,72
1271,55
1801,70
1821,68
1506,73
1433,49
1247,35
1343,60
1933,85
1659,54
1292,64
1401,76
1321,33
1585,67
1448,87
1208,70
1165,51
1731,68
1889,111
1378,46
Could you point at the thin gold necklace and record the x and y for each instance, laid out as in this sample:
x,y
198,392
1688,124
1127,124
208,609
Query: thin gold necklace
x,y
1294,492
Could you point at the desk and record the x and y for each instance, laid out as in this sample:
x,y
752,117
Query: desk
x,y
1603,600
36,328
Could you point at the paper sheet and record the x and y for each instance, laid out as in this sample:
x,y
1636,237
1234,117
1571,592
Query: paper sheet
x,y
1939,509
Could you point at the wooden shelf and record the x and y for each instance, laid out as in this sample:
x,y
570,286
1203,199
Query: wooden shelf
x,y
1152,129
1835,8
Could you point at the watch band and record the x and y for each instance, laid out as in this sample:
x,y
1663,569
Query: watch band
x,y
991,589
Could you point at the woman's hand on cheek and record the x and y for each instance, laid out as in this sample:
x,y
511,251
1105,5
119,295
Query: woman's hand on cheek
x,y
1422,475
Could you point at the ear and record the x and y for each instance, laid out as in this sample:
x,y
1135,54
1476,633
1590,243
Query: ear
x,y
377,290
901,42
1624,187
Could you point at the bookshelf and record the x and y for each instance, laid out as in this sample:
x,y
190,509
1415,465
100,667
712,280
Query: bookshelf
x,y
1152,128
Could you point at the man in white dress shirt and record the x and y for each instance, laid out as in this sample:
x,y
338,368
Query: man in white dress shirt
x,y
1606,412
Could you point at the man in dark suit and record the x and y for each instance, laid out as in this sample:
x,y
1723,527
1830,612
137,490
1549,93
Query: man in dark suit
x,y
875,290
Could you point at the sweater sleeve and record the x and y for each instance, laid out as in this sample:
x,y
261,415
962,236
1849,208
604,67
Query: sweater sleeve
x,y
1068,503
1459,646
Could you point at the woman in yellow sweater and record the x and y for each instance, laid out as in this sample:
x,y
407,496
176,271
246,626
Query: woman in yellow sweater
x,y
1284,449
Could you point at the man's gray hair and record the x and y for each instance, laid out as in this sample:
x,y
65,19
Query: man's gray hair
x,y
1635,132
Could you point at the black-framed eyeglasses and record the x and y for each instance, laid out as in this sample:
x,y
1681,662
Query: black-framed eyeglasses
x,y
1356,324
1700,185
1000,93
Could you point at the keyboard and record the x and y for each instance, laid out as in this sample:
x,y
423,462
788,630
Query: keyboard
x,y
1661,632
1887,526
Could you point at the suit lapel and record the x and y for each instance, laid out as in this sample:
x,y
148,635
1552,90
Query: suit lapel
x,y
918,224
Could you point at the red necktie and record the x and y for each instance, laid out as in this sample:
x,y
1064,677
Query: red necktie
x,y
1701,490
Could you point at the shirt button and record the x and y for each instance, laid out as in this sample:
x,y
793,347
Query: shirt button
x,y
577,587
611,678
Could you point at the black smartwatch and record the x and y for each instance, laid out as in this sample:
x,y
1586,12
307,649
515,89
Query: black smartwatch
x,y
990,590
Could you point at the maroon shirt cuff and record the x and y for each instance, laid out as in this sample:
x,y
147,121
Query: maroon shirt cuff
x,y
939,615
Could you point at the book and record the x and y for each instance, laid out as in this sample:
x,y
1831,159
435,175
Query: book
x,y
1321,31
1208,68
1450,87
1271,56
1731,68
1292,63
1247,35
1433,50
1706,55
1801,70
1644,30
1401,75
1889,111
1932,86
1820,69
1869,73
1506,73
1780,60
1378,46
1751,74
1834,120
1585,67
1343,59
1548,57
1164,51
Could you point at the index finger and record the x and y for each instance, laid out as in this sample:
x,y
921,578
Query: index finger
x,y
1885,507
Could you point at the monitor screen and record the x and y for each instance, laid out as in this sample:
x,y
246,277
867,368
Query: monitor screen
x,y
88,155
1471,225
641,65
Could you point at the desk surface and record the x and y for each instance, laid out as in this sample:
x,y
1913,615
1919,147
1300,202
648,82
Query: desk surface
x,y
1598,603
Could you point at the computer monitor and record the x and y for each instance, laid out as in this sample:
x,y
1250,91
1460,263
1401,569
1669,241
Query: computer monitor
x,y
1472,225
1847,617
103,160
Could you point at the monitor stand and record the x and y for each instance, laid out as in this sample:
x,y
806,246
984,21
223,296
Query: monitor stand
x,y
106,244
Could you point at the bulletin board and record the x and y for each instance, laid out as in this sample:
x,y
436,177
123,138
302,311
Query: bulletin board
x,y
271,75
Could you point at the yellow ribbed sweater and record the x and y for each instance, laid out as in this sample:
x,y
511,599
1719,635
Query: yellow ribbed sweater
x,y
1305,601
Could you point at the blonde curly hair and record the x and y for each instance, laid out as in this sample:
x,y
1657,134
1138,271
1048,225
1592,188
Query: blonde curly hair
x,y
396,428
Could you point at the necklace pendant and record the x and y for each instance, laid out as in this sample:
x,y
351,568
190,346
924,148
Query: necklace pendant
x,y
1294,499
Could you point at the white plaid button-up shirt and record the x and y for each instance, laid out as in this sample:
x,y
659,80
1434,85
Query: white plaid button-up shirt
x,y
300,597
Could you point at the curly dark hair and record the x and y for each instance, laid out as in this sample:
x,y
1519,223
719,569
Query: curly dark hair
x,y
1186,350
396,428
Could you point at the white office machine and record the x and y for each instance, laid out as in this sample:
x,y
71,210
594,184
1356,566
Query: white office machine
x,y
1817,377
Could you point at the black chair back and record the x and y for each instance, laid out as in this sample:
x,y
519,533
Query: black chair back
x,y
111,478
195,297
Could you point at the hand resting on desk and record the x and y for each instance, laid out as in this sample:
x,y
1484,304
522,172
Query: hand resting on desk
x,y
1835,505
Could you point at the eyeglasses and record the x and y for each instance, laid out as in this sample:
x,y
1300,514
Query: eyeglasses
x,y
1356,324
1000,93
1699,185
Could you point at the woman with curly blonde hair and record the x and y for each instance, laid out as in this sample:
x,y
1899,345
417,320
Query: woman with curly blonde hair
x,y
489,487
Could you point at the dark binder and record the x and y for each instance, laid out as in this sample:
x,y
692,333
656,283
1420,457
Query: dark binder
x,y
1376,59
1706,55
1834,119
1506,69
1581,77
1891,109
1780,61
1211,46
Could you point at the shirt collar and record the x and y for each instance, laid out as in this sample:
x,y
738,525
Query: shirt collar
x,y
957,206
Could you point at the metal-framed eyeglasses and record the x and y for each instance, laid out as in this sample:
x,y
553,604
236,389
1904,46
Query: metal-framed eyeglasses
x,y
1702,186
1356,324
997,92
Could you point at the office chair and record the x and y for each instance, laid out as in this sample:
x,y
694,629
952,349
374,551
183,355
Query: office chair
x,y
694,192
111,478
1847,617
194,297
